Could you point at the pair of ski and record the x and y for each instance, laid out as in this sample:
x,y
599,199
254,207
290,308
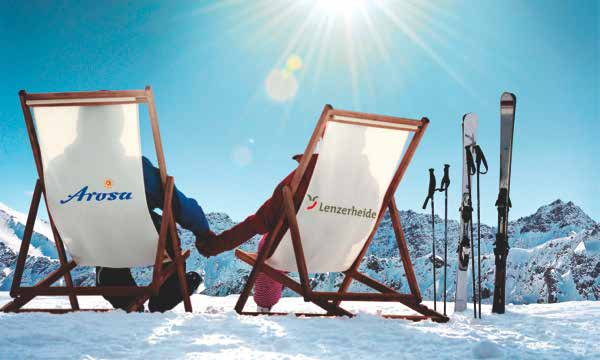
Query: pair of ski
x,y
473,159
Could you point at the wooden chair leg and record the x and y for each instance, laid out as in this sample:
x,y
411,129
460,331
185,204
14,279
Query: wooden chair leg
x,y
344,287
178,258
256,269
16,304
403,249
288,204
62,256
24,249
22,300
187,303
243,298
63,261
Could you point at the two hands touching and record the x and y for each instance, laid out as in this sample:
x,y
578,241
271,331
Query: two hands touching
x,y
210,244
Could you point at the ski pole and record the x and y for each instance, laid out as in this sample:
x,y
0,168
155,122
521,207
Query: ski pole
x,y
444,187
472,170
430,196
479,159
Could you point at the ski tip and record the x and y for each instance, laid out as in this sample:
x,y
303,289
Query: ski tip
x,y
508,99
469,116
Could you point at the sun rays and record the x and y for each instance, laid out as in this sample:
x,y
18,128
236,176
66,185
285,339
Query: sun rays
x,y
354,37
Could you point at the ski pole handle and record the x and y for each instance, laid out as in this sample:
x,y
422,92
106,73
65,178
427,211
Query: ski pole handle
x,y
431,190
470,163
480,159
446,179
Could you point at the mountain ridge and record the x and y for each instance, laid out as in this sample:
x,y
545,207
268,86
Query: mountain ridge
x,y
555,256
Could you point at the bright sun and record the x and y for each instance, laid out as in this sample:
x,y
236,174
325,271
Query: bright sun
x,y
339,7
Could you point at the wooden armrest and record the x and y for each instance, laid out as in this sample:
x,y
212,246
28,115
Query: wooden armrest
x,y
247,257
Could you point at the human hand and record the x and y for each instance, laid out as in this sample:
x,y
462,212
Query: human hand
x,y
208,245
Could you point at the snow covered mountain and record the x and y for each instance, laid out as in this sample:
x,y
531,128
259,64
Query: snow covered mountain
x,y
555,256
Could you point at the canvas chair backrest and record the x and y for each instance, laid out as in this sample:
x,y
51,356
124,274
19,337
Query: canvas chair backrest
x,y
92,168
357,161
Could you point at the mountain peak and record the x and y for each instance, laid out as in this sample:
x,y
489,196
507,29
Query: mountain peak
x,y
559,210
554,220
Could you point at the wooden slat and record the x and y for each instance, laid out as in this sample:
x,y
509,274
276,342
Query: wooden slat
x,y
24,249
301,314
407,317
370,123
311,315
60,311
375,117
84,102
290,211
350,296
372,283
160,156
85,291
86,94
35,146
162,235
403,249
179,260
89,103
62,253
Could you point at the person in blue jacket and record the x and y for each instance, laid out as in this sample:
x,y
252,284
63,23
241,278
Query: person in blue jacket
x,y
189,215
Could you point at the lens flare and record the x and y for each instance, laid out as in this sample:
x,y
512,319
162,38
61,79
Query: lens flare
x,y
241,155
294,63
281,85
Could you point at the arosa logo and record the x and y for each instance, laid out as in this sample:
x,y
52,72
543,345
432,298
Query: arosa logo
x,y
313,204
84,195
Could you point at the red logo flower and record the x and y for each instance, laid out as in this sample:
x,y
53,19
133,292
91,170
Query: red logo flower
x,y
313,203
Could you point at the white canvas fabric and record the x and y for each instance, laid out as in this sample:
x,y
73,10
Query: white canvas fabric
x,y
355,167
93,176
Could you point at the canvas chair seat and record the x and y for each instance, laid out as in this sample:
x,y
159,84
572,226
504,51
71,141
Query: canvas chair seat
x,y
92,163
362,158
346,192
87,151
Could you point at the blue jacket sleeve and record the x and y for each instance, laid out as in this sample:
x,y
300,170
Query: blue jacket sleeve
x,y
186,210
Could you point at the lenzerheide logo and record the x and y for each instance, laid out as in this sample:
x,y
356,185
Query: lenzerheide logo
x,y
84,195
313,202
340,210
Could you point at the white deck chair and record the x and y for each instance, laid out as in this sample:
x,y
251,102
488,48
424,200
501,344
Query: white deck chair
x,y
86,147
361,161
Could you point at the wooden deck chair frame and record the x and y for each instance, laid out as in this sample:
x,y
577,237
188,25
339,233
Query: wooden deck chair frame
x,y
22,295
330,301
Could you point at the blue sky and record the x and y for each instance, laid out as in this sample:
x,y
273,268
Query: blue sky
x,y
228,141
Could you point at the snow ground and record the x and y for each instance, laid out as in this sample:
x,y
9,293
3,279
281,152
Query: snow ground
x,y
567,330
